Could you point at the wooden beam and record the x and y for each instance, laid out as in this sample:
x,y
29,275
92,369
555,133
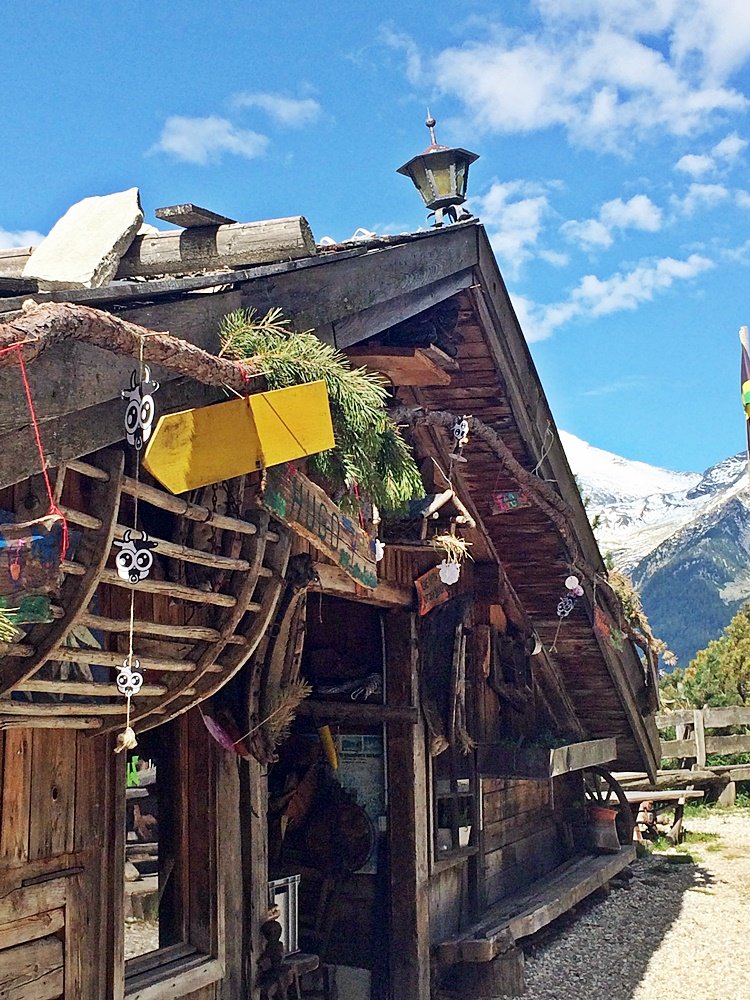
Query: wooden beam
x,y
335,581
209,248
403,365
357,711
191,216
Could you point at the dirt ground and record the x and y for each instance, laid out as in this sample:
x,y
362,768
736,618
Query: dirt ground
x,y
674,931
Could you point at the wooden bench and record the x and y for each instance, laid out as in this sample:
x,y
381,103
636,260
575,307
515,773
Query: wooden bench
x,y
665,800
522,914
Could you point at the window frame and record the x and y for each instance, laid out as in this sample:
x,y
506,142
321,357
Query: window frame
x,y
197,960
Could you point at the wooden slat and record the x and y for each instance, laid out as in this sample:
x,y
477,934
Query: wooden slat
x,y
86,689
77,591
32,927
32,970
174,590
53,789
15,791
142,627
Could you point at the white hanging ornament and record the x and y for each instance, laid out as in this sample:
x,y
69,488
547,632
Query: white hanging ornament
x,y
460,438
135,558
140,411
129,678
379,550
449,572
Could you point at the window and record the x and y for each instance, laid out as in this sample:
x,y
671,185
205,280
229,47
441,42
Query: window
x,y
170,885
454,803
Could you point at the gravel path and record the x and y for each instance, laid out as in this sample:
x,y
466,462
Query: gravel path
x,y
673,932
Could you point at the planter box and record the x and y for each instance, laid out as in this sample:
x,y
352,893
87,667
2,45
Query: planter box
x,y
498,760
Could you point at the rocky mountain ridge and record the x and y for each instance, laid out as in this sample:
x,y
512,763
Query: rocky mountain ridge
x,y
683,537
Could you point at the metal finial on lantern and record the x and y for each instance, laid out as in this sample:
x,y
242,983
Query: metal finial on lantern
x,y
440,174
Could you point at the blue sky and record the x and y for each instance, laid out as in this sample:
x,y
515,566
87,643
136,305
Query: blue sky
x,y
613,177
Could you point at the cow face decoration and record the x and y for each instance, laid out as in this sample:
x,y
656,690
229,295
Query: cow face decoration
x,y
129,678
135,558
139,413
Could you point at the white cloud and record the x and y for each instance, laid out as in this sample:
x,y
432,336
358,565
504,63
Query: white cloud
x,y
639,212
607,76
589,234
205,140
513,213
291,111
595,297
695,164
700,196
724,153
730,147
19,238
402,42
742,198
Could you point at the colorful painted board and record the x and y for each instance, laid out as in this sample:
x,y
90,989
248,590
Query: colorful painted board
x,y
506,500
206,445
308,511
431,590
30,556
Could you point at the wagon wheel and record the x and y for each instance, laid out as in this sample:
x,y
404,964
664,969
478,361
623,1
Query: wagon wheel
x,y
601,789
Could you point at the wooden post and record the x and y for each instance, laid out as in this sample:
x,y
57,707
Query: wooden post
x,y
700,737
728,795
408,806
501,977
253,812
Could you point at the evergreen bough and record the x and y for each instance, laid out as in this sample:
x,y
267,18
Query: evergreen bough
x,y
370,453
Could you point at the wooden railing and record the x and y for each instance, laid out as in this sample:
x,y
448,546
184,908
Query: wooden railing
x,y
693,742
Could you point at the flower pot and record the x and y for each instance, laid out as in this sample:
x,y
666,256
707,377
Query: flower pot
x,y
603,829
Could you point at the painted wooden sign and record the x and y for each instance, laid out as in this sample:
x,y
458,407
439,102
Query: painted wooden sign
x,y
30,555
211,443
305,508
27,609
431,590
506,500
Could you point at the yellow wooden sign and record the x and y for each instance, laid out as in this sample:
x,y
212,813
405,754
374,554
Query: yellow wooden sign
x,y
206,445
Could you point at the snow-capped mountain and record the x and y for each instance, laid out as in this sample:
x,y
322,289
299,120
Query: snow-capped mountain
x,y
684,538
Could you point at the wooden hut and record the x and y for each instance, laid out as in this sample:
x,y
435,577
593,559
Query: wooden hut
x,y
436,799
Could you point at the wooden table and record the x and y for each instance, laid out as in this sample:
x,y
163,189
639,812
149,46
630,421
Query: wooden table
x,y
665,800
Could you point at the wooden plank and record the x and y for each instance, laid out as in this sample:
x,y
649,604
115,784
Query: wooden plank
x,y
53,788
365,324
191,216
678,748
186,977
334,580
32,970
576,756
402,365
728,744
15,792
718,718
30,928
27,901
357,712
495,760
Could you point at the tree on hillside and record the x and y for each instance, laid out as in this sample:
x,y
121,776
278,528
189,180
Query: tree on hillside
x,y
719,675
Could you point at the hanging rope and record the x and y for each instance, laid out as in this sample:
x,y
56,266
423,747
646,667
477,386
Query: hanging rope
x,y
53,507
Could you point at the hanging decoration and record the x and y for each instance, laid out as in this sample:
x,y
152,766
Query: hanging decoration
x,y
431,591
460,438
456,550
573,590
135,558
140,412
504,501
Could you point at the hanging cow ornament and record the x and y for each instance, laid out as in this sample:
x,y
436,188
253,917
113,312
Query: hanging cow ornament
x,y
129,678
135,558
574,590
139,413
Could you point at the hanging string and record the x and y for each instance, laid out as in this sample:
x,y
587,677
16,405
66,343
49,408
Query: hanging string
x,y
547,442
53,507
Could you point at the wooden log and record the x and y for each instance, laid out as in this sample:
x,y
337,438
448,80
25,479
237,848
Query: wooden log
x,y
175,590
183,633
37,722
42,326
236,245
87,689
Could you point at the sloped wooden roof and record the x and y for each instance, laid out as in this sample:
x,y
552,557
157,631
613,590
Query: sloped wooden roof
x,y
349,295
